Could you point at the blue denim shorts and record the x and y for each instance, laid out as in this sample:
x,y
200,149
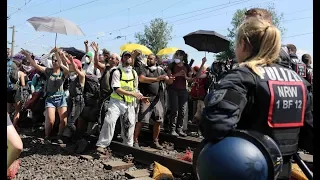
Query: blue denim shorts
x,y
56,101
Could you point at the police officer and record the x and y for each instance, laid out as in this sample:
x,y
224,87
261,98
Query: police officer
x,y
306,59
260,95
296,63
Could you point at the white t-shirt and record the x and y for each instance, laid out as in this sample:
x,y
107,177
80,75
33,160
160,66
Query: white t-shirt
x,y
46,61
115,83
89,69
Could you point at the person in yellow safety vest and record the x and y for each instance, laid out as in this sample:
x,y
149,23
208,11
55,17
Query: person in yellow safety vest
x,y
124,84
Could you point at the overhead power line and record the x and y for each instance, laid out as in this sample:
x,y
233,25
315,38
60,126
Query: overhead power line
x,y
116,12
303,34
183,18
179,36
73,7
64,9
115,30
36,5
8,17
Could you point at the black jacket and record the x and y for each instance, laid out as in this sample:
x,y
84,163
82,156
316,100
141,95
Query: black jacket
x,y
242,100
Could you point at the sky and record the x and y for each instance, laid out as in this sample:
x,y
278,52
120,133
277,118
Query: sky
x,y
104,20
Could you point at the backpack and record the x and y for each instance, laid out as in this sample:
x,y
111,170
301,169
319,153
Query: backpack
x,y
91,90
12,75
209,82
309,76
298,66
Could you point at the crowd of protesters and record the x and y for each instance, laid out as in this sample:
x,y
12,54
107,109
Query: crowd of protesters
x,y
90,95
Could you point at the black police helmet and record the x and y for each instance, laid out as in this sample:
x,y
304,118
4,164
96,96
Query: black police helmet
x,y
241,155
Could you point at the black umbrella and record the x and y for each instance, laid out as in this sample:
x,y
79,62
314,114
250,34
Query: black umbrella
x,y
74,52
209,41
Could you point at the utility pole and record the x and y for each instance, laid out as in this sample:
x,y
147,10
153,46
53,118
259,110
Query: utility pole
x,y
13,40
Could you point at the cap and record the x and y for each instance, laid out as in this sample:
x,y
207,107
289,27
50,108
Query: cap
x,y
196,68
126,53
77,62
90,54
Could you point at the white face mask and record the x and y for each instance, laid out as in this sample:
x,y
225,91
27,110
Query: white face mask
x,y
87,60
127,69
152,68
73,75
177,61
27,68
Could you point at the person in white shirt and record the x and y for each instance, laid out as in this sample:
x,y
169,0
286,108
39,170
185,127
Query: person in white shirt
x,y
88,62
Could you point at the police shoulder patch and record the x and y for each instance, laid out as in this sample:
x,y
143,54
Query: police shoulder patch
x,y
215,97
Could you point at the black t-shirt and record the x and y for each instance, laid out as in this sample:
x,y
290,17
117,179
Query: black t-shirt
x,y
153,88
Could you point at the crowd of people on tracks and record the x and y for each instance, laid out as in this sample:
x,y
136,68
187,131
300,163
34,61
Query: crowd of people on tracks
x,y
89,96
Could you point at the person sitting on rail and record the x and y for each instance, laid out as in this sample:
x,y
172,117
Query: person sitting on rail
x,y
151,86
124,84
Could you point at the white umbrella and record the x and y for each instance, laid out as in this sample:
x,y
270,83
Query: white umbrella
x,y
55,25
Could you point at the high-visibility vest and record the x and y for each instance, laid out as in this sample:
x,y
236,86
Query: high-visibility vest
x,y
126,83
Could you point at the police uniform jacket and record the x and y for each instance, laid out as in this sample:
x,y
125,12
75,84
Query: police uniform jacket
x,y
277,105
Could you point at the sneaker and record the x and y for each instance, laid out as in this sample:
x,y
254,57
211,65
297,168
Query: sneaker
x,y
101,150
182,134
156,145
58,139
174,133
200,134
136,145
47,140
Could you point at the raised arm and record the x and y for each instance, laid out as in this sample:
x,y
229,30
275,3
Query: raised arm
x,y
86,46
204,60
63,58
64,68
80,73
97,64
33,62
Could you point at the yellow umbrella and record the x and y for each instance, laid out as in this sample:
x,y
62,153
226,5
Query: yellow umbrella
x,y
131,47
169,50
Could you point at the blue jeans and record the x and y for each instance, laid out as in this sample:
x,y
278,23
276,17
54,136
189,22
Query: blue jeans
x,y
56,101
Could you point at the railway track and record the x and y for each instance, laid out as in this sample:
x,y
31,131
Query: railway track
x,y
145,156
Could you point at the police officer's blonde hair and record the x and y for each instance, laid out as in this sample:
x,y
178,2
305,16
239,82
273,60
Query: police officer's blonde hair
x,y
262,39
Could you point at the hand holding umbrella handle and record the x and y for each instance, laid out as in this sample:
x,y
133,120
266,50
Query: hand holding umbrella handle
x,y
204,60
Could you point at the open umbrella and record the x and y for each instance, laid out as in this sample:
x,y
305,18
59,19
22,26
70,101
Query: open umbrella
x,y
55,25
74,52
131,47
166,51
209,41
